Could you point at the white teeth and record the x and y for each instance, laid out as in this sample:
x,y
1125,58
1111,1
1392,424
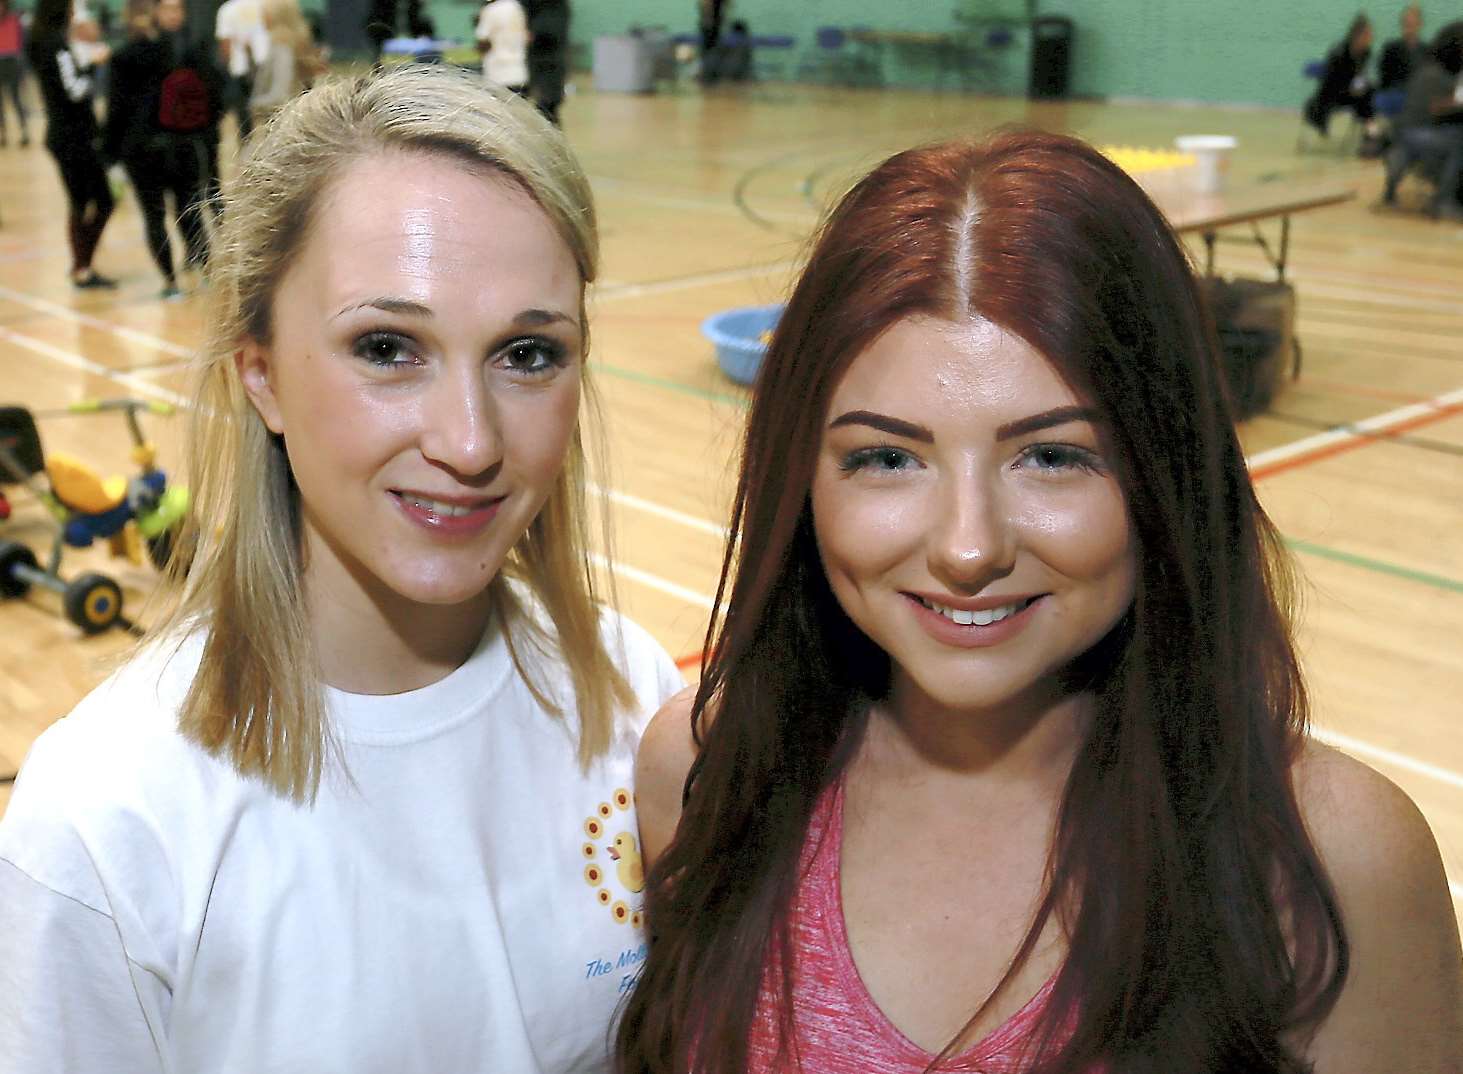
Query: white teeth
x,y
984,617
437,507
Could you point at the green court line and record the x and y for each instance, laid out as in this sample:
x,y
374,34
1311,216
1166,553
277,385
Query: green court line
x,y
741,402
1436,581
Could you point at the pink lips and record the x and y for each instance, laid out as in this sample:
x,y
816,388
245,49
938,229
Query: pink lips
x,y
479,515
971,637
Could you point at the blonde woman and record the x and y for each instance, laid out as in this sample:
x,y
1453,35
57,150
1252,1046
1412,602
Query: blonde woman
x,y
366,805
291,64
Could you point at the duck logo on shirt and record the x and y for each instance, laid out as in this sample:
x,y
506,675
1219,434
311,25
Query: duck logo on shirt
x,y
611,830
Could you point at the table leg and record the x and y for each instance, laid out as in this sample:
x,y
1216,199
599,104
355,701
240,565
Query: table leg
x,y
1209,238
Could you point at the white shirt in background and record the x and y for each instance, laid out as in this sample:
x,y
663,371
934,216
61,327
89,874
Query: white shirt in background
x,y
503,25
241,24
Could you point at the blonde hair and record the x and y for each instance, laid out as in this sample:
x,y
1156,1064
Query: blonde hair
x,y
286,24
257,700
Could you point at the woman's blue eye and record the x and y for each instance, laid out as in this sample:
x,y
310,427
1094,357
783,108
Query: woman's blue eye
x,y
1057,457
885,459
534,356
384,349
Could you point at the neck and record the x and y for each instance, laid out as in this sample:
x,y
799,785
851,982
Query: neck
x,y
371,640
1032,740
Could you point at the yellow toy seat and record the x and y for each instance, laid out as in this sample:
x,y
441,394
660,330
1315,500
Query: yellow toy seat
x,y
80,487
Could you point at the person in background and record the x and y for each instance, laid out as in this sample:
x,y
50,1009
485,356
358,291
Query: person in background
x,y
548,54
1401,56
161,119
12,45
243,45
999,761
363,803
735,53
90,46
711,14
293,61
1430,128
1344,85
382,23
72,135
502,38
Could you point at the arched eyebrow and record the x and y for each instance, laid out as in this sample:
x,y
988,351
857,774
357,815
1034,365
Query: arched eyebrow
x,y
403,306
529,318
909,430
538,318
1047,419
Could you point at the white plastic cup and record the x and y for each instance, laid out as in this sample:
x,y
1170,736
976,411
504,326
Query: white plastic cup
x,y
1211,157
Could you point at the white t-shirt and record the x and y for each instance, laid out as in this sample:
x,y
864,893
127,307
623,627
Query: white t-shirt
x,y
503,25
451,907
241,24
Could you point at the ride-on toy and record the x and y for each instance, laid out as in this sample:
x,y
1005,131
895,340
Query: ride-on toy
x,y
130,514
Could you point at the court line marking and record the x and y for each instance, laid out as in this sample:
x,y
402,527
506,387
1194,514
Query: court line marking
x,y
1312,449
652,581
622,188
615,291
55,309
649,507
680,388
1421,443
85,365
1391,757
1427,578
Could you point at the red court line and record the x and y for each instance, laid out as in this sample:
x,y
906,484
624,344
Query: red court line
x,y
1361,439
690,660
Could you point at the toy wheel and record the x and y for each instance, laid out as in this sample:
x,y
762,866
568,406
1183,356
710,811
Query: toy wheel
x,y
93,602
12,554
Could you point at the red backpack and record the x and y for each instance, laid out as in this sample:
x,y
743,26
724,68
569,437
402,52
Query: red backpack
x,y
184,105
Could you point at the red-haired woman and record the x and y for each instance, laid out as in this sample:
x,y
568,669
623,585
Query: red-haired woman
x,y
999,761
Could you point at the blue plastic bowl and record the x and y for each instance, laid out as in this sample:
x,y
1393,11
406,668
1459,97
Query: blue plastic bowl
x,y
737,334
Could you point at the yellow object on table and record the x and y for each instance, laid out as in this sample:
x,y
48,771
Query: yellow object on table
x,y
1139,160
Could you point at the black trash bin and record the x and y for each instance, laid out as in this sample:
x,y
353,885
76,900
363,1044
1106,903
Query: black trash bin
x,y
1051,56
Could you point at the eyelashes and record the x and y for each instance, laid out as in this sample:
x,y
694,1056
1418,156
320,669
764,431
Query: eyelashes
x,y
383,349
530,356
1053,458
884,457
1056,457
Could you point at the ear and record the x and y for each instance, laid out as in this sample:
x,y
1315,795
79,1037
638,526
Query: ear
x,y
256,371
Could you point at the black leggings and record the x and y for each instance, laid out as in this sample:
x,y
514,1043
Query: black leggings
x,y
89,195
10,84
182,173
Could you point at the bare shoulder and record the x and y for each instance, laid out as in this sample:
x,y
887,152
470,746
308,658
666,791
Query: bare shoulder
x,y
1360,820
667,750
1402,1005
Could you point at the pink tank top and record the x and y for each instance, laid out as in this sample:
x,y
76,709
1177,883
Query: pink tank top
x,y
839,1029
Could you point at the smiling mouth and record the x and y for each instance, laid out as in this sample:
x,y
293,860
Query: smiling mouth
x,y
981,617
444,508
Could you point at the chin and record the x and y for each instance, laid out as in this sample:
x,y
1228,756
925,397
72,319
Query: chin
x,y
442,592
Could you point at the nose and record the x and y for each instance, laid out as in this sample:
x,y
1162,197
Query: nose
x,y
460,427
972,541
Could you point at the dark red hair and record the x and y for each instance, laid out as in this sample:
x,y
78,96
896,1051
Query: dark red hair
x,y
1201,927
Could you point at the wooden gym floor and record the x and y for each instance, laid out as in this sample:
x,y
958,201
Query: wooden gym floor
x,y
705,202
